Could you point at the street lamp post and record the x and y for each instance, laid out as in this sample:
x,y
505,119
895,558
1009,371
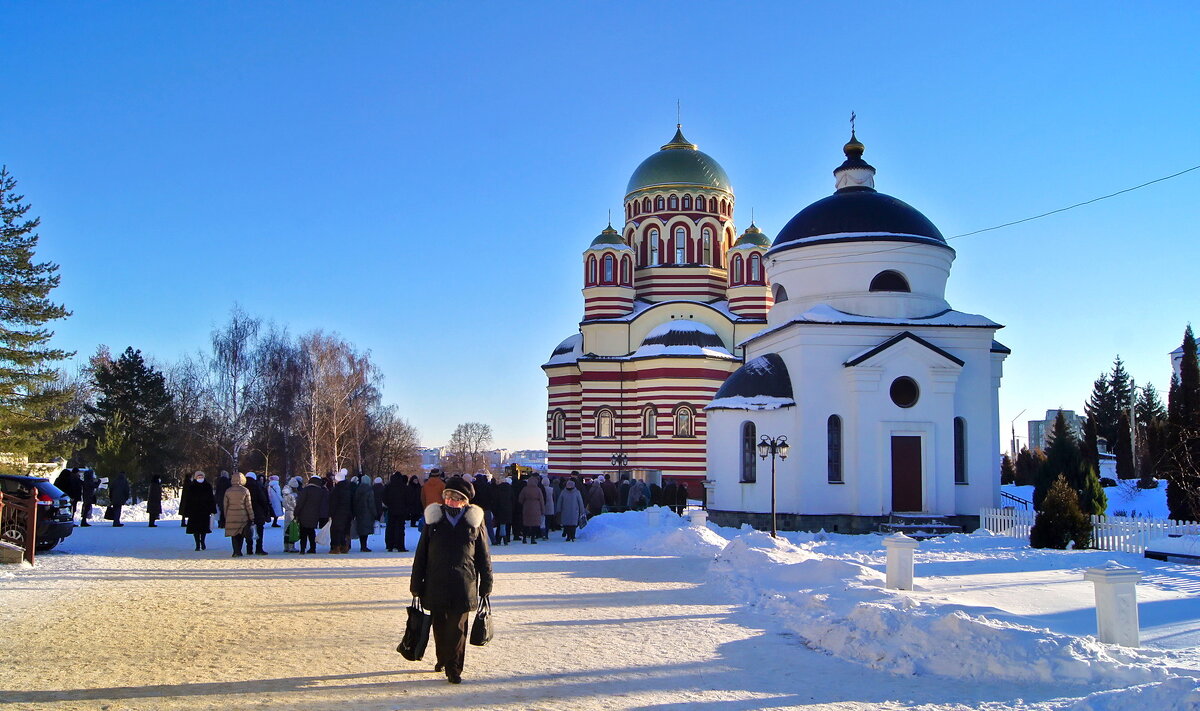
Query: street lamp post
x,y
620,460
773,447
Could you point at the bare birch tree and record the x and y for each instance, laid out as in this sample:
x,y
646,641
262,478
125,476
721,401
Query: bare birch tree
x,y
338,387
234,380
466,453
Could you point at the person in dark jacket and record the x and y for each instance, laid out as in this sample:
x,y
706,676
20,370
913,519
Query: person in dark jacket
x,y
451,571
154,500
623,494
72,485
88,497
393,500
312,501
118,496
412,501
341,511
502,512
681,498
262,511
197,505
595,498
364,511
219,490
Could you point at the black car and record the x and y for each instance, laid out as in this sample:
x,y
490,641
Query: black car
x,y
54,519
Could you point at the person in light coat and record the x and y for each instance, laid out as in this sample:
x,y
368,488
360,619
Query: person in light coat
x,y
570,508
275,498
533,510
287,499
239,512
548,523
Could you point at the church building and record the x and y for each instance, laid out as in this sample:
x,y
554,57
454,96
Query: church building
x,y
886,395
666,301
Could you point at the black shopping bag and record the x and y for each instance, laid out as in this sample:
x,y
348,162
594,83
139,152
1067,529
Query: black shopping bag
x,y
481,630
108,513
416,632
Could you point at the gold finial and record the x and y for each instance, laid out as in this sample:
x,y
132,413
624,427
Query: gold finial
x,y
610,218
853,149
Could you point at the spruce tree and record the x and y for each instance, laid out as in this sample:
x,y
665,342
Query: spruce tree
x,y
137,392
1008,470
1029,464
1059,520
115,450
1063,458
1151,426
1092,498
1183,436
31,398
1123,448
1091,444
1101,407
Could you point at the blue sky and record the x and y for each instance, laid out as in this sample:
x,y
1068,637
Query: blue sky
x,y
422,177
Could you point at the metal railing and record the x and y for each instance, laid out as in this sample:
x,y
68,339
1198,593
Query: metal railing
x,y
18,522
1016,500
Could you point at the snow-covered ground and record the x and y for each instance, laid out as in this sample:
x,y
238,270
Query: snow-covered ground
x,y
633,616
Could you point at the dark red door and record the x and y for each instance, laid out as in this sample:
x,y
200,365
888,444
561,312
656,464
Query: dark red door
x,y
906,473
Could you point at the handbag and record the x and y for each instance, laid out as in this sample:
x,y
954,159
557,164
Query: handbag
x,y
323,534
582,519
291,534
108,513
481,629
416,632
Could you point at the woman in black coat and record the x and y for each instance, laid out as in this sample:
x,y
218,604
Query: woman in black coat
x,y
412,500
394,497
311,504
451,570
154,500
199,505
502,512
341,512
118,496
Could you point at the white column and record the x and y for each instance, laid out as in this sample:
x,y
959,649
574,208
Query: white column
x,y
900,561
698,518
1116,603
652,516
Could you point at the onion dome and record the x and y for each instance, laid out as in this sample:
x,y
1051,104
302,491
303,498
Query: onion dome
x,y
568,351
857,212
609,237
682,337
752,237
761,384
678,163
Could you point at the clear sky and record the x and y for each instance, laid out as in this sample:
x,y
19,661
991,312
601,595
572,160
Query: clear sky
x,y
423,177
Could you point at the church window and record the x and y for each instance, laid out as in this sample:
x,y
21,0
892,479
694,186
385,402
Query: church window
x,y
904,392
700,203
653,247
625,264
659,203
628,212
680,245
558,425
755,269
609,269
749,458
960,450
833,437
890,280
674,201
684,421
687,202
707,245
591,271
646,205
779,293
650,421
737,270
604,424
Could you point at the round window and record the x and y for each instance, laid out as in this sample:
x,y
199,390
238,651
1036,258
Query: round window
x,y
905,392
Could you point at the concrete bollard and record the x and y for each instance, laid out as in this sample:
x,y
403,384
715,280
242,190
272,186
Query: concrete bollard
x,y
652,516
698,518
900,561
1116,603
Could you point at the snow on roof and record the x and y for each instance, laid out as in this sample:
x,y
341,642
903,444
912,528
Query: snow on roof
x,y
640,306
568,351
761,384
824,313
757,402
614,247
658,349
861,236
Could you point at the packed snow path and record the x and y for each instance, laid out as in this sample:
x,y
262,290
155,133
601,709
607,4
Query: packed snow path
x,y
134,619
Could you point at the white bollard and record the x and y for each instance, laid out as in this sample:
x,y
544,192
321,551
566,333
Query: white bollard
x,y
900,561
652,516
1116,603
698,518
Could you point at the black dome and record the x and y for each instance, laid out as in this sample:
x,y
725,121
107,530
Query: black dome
x,y
765,376
857,214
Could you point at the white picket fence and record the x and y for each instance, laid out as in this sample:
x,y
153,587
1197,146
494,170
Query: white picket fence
x,y
1129,535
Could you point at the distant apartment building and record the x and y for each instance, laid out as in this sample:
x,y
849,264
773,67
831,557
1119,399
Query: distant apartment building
x,y
431,457
1040,430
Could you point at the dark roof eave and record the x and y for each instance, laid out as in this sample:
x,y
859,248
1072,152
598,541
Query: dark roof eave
x,y
797,322
906,335
812,242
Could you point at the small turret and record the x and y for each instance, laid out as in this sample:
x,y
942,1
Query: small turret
x,y
607,277
749,293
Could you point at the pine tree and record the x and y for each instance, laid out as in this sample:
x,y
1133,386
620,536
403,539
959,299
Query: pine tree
x,y
1091,444
1101,407
1092,498
115,450
1008,470
1151,426
1059,520
1121,385
1029,463
31,399
137,392
1123,448
1063,458
1183,436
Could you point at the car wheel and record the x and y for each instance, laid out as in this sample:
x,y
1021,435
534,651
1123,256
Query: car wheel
x,y
14,535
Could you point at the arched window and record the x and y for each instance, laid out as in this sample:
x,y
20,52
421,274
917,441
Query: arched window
x,y
724,207
738,276
646,205
687,202
659,203
650,421
749,458
755,269
680,245
779,293
558,425
684,421
700,203
653,247
625,268
890,280
674,202
707,239
591,271
604,424
610,267
833,438
960,450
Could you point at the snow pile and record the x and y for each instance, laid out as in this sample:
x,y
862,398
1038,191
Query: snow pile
x,y
1178,694
670,534
133,513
